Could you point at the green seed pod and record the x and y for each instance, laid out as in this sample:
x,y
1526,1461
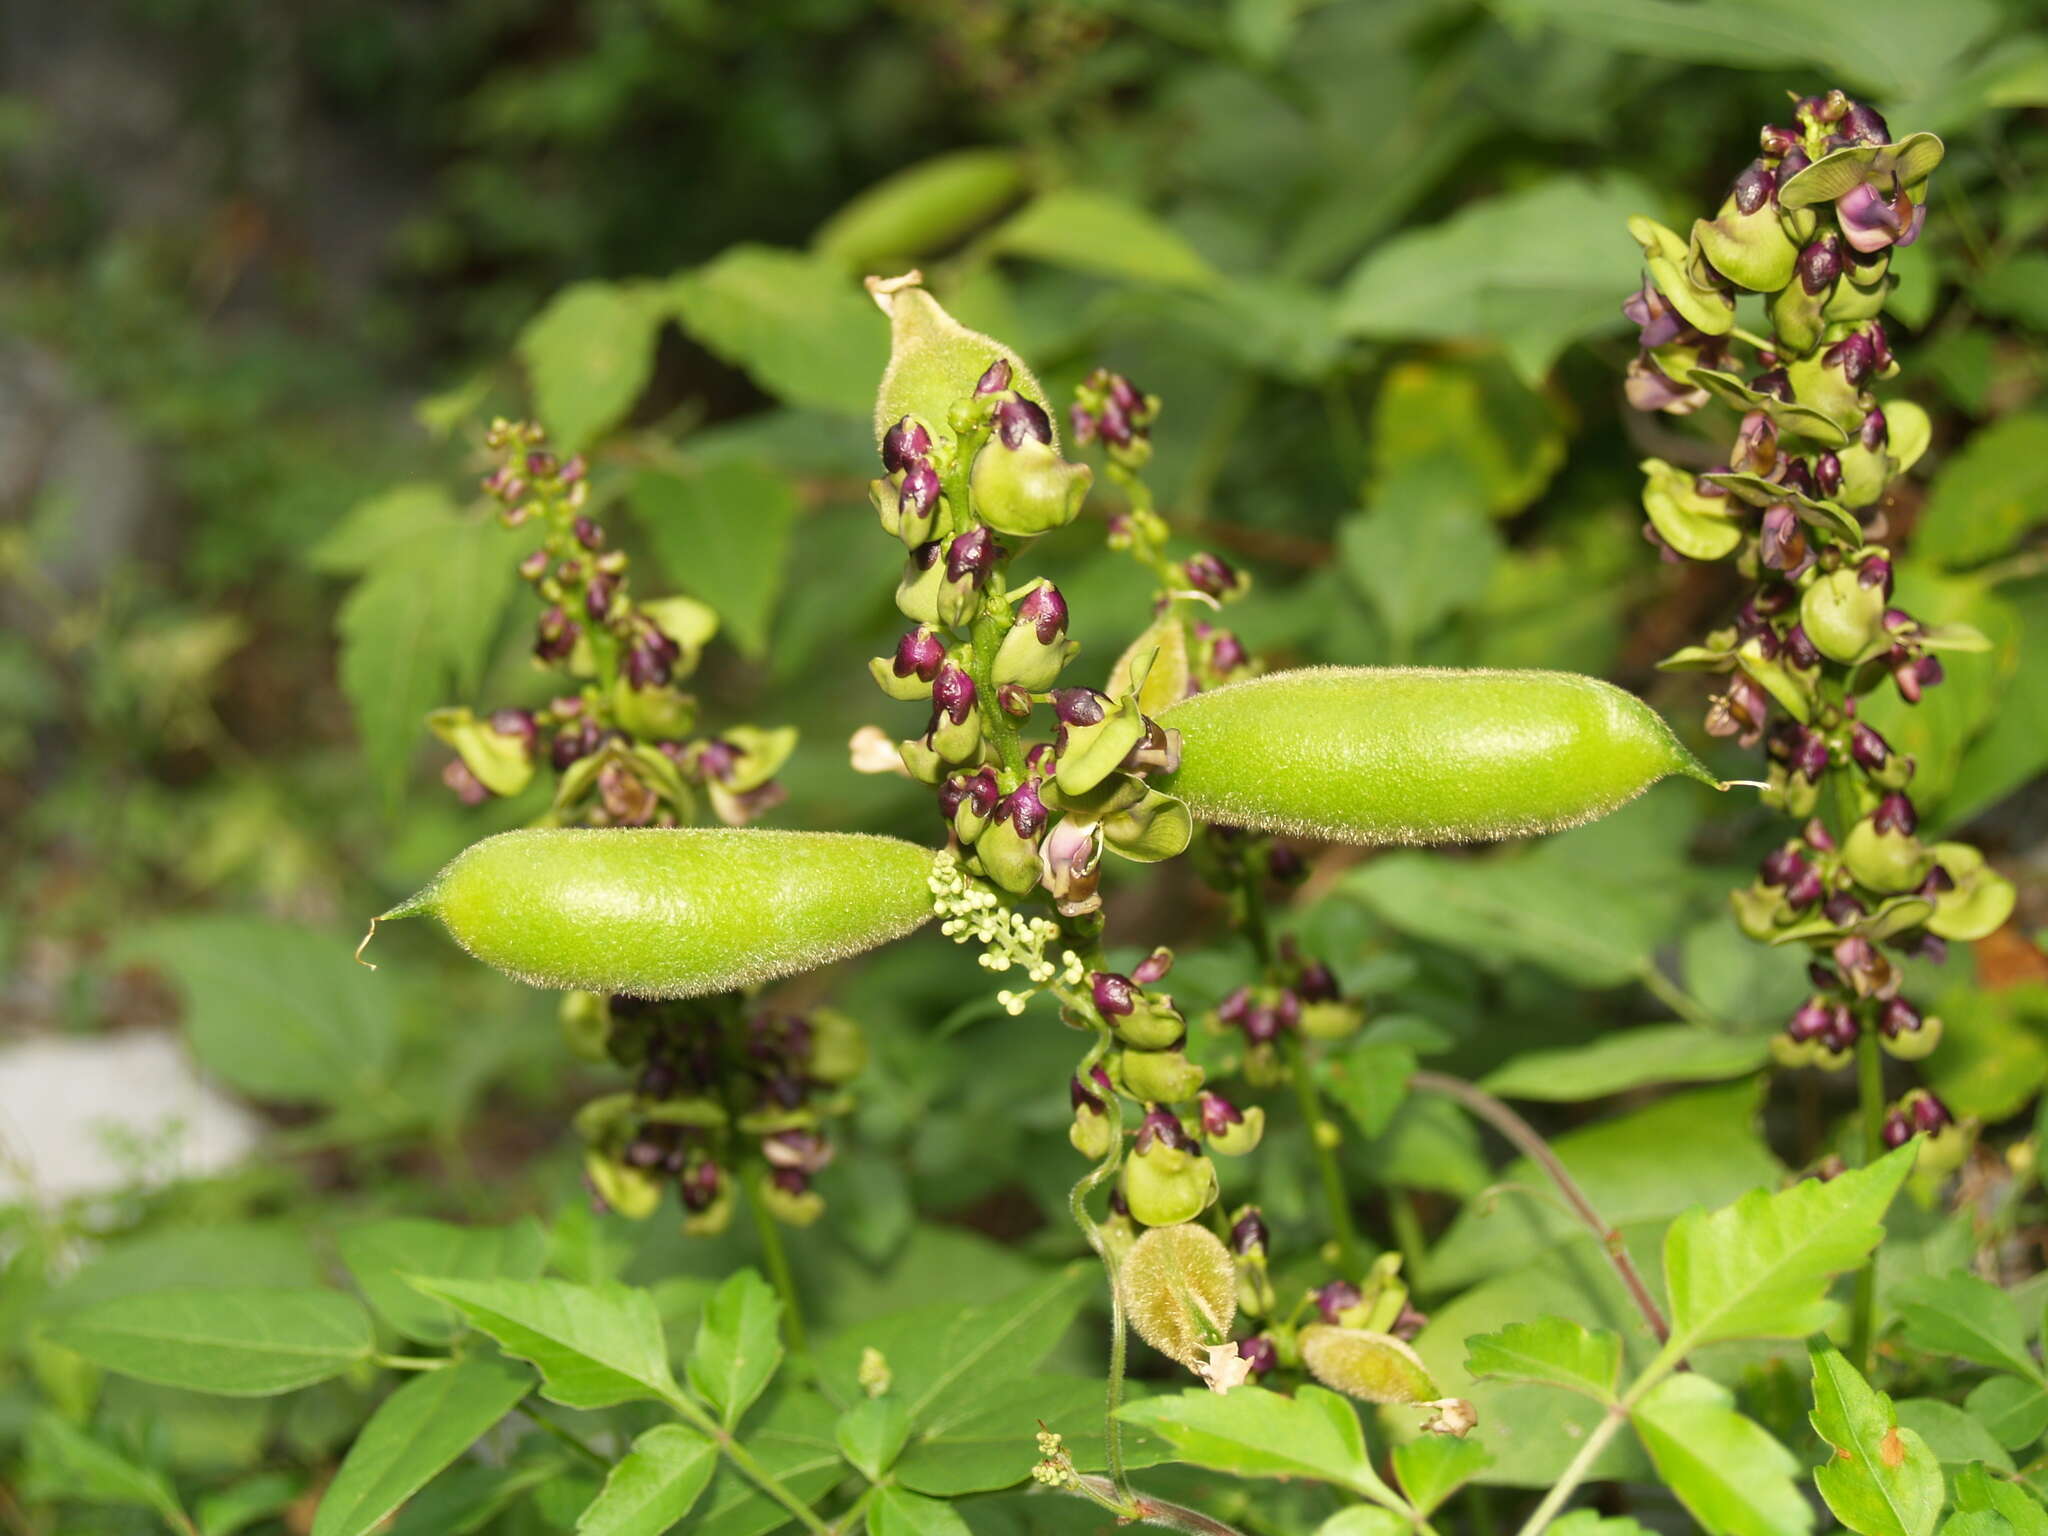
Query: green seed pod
x,y
1375,1366
1418,755
674,912
935,361
1180,1290
1844,618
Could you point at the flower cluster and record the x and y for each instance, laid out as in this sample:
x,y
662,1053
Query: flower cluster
x,y
1799,504
722,1093
621,738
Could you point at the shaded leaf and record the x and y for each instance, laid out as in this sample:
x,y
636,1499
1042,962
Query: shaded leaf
x,y
1728,1471
1628,1058
723,533
1961,1315
1989,492
1252,1432
800,327
1100,232
1423,551
66,1463
653,1486
237,1343
738,1344
1551,1350
381,1253
589,354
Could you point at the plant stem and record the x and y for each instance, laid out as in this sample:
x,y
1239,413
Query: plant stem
x,y
1077,1205
1574,1474
1870,1094
748,1464
777,1259
1408,1235
856,1512
412,1362
1335,1200
568,1437
1675,997
1537,1150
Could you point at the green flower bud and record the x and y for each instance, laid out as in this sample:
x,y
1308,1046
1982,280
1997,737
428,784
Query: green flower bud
x,y
1845,618
1028,489
920,761
1007,857
1374,1366
1089,1135
1161,1077
502,761
587,1025
1888,861
632,1192
1760,910
1179,1290
1331,1021
839,1049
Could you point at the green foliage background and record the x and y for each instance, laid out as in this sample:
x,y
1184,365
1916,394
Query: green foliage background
x,y
268,268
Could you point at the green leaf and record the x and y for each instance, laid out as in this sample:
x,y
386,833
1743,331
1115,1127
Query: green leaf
x,y
1434,1467
67,1463
793,1441
872,1435
236,1343
1369,1081
416,1433
1993,1056
941,1357
1988,494
1977,1492
897,1512
1760,1267
1535,270
1590,1522
1961,1315
596,1345
1553,1351
242,1504
1952,1434
988,1442
2009,751
379,526
1728,1471
1625,1059
590,354
1365,1520
799,326
1425,550
1882,1480
1252,1432
1473,409
921,208
2015,1411
723,533
381,1253
469,1497
738,1345
653,1486
418,627
275,1011
1099,232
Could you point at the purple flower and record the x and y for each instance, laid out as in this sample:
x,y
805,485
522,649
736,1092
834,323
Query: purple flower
x,y
994,379
905,444
1113,994
1020,421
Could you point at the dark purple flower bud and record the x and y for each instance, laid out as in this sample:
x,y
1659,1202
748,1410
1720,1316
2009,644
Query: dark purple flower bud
x,y
1927,671
597,597
1153,967
1922,945
1080,706
1930,1114
791,1181
1115,426
1795,476
1898,1130
1218,1114
555,635
535,565
1023,810
1800,650
1876,571
571,744
1854,355
905,444
1774,598
699,1185
920,492
1827,473
994,379
1041,759
1820,264
1898,1017
1113,994
1125,395
1810,1022
1317,984
982,792
658,1080
1162,1128
518,724
1014,700
1336,1298
1815,834
1842,1031
588,533
540,464
1248,1235
1810,757
1795,161
920,652
1234,1008
1781,543
1284,865
1020,421
1875,432
972,555
1226,652
1118,1205
952,790
1258,1353
1863,125
1880,344
1804,889
1938,880
1210,574
1781,866
1855,954
1754,187
1045,611
1774,382
645,664
1261,1025
1657,322
1777,141
1755,451
1844,908
1870,750
953,693
1082,422
1895,813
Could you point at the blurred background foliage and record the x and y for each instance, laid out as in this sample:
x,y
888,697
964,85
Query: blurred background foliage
x,y
268,269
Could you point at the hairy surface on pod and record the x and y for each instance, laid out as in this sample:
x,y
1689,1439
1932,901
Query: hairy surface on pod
x,y
656,912
1418,754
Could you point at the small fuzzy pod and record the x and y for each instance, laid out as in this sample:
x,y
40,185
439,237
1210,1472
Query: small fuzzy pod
x,y
1180,1290
1418,754
657,912
934,361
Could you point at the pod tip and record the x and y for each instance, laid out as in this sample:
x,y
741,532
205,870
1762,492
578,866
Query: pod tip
x,y
1724,785
367,964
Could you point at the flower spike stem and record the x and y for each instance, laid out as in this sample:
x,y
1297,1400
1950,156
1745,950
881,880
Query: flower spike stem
x,y
1077,1204
1870,1093
1532,1146
777,1259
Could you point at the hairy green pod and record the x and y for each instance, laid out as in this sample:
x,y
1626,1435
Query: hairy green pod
x,y
934,361
674,912
1418,754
